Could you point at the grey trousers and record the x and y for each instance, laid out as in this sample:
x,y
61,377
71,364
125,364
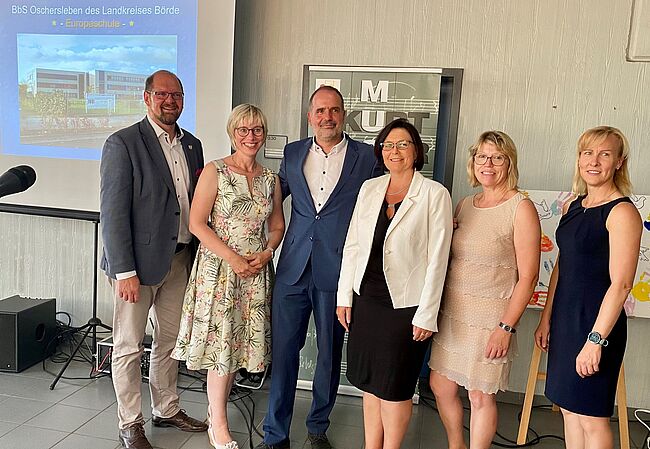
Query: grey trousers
x,y
163,302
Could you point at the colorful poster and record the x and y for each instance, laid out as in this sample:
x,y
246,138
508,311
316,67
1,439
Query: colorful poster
x,y
549,208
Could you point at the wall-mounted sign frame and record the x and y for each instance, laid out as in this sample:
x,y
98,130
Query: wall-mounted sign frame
x,y
373,96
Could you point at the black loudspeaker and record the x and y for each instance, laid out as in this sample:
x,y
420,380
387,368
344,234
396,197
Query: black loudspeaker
x,y
26,327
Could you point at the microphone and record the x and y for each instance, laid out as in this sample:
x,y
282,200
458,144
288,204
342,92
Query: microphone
x,y
17,179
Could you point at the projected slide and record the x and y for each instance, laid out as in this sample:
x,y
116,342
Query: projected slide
x,y
74,71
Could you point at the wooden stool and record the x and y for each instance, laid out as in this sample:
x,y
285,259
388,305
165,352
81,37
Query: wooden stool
x,y
535,375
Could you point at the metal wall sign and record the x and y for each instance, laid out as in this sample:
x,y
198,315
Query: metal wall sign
x,y
374,96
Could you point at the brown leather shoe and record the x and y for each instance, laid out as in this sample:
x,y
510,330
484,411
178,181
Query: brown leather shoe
x,y
133,438
181,421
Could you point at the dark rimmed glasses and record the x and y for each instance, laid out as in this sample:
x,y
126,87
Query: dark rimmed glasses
x,y
161,95
243,131
497,160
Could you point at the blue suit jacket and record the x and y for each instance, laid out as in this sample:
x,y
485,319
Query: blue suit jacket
x,y
139,210
320,236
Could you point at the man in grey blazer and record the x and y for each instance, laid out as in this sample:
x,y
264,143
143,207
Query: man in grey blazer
x,y
323,175
148,173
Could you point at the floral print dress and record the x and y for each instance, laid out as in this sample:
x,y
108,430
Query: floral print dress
x,y
226,320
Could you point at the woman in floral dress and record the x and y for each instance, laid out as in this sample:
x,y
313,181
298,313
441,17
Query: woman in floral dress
x,y
227,308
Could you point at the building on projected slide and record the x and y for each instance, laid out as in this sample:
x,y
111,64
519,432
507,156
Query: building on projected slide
x,y
76,84
120,84
73,84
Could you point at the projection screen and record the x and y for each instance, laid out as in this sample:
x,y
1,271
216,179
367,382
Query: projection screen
x,y
73,73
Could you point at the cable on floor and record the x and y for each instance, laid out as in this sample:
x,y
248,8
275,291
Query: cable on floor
x,y
644,424
430,402
66,338
62,344
240,397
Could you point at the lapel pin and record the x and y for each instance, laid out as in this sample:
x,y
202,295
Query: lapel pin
x,y
189,147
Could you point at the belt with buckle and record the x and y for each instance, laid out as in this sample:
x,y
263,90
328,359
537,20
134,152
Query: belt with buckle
x,y
180,247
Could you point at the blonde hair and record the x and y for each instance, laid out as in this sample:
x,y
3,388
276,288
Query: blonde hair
x,y
596,136
239,114
505,145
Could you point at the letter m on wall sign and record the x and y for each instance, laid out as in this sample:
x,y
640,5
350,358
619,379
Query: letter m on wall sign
x,y
369,93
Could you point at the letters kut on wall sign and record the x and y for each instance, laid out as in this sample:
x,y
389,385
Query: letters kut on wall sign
x,y
359,120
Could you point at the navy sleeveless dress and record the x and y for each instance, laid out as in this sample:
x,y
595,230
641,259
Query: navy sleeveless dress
x,y
583,241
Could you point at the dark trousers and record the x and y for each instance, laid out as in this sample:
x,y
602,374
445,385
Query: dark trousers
x,y
292,307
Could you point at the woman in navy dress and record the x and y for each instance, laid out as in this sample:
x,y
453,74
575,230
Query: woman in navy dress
x,y
583,326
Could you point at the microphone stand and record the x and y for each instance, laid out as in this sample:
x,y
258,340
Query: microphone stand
x,y
94,322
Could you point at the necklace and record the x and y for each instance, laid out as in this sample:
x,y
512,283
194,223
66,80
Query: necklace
x,y
482,198
398,192
242,169
598,203
390,210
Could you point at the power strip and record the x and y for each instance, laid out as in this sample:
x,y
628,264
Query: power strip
x,y
105,349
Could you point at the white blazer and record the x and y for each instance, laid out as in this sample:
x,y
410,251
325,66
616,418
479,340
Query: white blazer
x,y
416,247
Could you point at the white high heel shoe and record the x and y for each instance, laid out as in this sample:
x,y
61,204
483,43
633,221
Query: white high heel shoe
x,y
229,445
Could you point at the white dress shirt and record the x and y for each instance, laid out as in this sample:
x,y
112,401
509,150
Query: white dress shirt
x,y
175,157
323,170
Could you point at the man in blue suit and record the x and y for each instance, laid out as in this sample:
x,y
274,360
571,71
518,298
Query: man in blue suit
x,y
323,175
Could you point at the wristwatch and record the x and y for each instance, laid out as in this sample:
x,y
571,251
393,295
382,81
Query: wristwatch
x,y
507,328
597,339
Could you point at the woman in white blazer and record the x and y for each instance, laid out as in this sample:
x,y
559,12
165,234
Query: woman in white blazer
x,y
392,275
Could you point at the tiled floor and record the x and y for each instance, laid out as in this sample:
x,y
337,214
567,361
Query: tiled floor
x,y
81,414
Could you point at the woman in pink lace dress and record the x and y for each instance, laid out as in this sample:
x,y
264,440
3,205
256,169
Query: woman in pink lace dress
x,y
491,276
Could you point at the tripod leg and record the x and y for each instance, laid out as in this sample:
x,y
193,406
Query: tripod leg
x,y
88,327
94,322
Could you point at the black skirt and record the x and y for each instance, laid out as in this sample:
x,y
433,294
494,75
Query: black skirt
x,y
382,359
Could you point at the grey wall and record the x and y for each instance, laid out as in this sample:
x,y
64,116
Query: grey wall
x,y
52,258
543,71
